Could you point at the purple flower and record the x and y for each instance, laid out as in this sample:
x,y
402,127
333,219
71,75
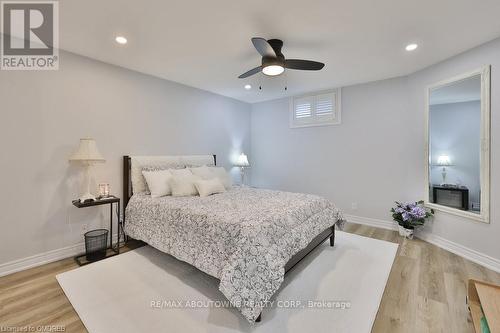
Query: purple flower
x,y
406,216
418,212
410,205
399,210
410,213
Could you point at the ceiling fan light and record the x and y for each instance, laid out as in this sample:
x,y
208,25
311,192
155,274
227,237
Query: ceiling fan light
x,y
411,47
273,70
121,40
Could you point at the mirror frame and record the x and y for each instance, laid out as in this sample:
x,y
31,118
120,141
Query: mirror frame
x,y
484,215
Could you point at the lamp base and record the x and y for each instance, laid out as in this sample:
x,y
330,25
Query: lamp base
x,y
242,176
86,197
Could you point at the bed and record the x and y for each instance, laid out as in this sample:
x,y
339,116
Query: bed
x,y
247,238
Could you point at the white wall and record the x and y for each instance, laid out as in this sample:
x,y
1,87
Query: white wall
x,y
376,155
355,162
43,114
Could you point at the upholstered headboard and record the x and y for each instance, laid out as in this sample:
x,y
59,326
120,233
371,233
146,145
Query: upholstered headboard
x,y
133,180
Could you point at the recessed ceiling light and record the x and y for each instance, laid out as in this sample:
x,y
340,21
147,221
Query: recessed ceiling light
x,y
248,87
273,70
121,40
411,47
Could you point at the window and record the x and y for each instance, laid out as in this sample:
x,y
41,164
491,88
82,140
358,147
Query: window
x,y
315,110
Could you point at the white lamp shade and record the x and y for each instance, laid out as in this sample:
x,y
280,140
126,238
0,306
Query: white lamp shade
x,y
242,161
444,160
87,152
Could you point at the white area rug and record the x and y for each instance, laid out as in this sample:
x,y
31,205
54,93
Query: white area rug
x,y
115,295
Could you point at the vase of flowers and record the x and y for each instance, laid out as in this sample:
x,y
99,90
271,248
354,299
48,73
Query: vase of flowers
x,y
409,216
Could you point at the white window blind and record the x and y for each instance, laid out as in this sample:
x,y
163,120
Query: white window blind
x,y
315,110
303,108
325,105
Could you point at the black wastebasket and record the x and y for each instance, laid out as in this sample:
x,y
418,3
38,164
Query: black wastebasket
x,y
95,244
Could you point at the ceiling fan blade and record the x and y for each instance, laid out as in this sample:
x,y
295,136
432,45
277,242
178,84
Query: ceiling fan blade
x,y
263,47
250,72
306,65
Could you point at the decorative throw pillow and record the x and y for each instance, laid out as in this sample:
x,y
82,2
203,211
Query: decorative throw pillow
x,y
158,182
181,172
155,168
203,172
223,176
160,167
183,186
208,187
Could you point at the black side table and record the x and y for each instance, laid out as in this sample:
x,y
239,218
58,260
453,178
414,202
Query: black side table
x,y
104,201
464,193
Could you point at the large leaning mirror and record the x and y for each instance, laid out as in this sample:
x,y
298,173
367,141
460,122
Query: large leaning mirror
x,y
458,145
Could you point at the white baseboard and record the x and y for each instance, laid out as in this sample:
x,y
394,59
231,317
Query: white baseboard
x,y
390,225
465,252
43,258
460,250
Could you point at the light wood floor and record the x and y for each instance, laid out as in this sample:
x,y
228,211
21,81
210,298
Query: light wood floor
x,y
425,292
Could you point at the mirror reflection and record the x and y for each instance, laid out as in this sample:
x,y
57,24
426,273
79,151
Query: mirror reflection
x,y
455,145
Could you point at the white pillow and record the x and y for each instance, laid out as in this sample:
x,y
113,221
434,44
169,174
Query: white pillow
x,y
183,186
223,176
203,172
158,182
207,173
208,187
181,172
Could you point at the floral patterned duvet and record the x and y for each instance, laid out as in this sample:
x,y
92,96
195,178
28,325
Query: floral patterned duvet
x,y
244,237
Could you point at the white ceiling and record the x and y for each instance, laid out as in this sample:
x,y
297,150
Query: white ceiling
x,y
206,44
467,90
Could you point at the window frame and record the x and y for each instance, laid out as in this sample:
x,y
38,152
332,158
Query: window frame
x,y
314,122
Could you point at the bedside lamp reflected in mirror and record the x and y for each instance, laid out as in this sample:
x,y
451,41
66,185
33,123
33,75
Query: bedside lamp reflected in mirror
x,y
444,161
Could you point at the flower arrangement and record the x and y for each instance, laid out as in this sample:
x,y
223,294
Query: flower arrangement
x,y
410,215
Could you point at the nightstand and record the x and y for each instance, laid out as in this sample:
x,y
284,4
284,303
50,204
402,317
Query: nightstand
x,y
114,250
462,190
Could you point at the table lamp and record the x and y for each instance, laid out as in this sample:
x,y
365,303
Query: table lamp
x,y
87,154
444,161
242,163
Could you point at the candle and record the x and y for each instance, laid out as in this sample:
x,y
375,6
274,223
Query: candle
x,y
104,190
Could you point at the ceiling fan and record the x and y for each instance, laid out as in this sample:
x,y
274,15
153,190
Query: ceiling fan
x,y
274,62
